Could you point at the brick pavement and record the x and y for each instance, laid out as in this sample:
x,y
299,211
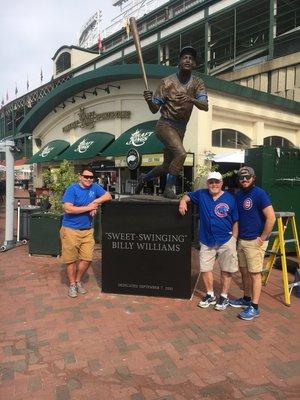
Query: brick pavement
x,y
101,346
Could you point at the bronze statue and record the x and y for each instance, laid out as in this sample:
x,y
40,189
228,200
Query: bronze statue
x,y
175,97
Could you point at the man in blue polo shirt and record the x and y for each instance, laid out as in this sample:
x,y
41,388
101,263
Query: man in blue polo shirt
x,y
217,236
80,200
256,220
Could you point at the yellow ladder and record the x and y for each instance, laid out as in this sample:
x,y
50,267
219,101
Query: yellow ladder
x,y
278,249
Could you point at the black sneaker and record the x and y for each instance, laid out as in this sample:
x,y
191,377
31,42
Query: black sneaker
x,y
207,301
222,303
140,184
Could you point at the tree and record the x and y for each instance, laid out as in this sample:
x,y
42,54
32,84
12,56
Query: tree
x,y
57,180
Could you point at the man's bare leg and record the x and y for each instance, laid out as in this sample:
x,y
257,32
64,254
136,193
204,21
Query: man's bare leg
x,y
82,268
71,272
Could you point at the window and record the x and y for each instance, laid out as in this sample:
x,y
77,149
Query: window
x,y
63,62
230,138
277,141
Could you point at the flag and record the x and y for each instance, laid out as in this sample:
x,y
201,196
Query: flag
x,y
16,90
27,83
100,46
2,102
42,76
7,98
127,27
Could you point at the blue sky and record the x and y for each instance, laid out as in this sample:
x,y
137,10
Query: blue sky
x,y
32,31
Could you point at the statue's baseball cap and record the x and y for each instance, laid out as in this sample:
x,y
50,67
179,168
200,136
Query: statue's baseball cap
x,y
246,171
188,50
214,175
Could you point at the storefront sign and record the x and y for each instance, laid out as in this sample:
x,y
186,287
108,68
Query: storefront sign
x,y
138,138
83,146
88,120
46,151
151,160
133,159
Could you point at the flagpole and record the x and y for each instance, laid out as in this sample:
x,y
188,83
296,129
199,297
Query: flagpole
x,y
98,21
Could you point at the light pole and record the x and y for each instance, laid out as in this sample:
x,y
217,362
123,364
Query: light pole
x,y
7,146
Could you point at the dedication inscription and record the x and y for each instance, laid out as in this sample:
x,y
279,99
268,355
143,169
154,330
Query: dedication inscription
x,y
146,249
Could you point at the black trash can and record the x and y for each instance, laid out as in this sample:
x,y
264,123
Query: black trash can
x,y
25,213
32,197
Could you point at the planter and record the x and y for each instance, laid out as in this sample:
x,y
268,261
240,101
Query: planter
x,y
44,234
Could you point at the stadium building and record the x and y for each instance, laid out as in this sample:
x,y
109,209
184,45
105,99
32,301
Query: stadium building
x,y
92,111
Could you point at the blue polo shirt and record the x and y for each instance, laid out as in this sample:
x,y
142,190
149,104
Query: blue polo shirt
x,y
216,216
79,196
250,205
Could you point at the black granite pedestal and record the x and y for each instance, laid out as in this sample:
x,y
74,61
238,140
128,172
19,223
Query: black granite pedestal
x,y
146,247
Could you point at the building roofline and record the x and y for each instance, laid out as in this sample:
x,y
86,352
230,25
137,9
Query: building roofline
x,y
71,48
110,73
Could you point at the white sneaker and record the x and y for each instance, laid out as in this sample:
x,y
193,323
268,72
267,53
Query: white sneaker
x,y
72,292
80,288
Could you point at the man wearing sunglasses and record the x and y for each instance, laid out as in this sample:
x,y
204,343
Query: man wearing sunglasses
x,y
217,236
256,220
80,200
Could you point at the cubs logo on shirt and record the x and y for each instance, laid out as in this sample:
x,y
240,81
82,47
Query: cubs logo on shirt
x,y
247,204
221,210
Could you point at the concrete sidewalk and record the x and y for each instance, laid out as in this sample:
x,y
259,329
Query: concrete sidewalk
x,y
116,347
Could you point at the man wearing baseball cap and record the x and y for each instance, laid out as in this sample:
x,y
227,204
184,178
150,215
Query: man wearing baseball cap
x,y
217,236
256,220
175,97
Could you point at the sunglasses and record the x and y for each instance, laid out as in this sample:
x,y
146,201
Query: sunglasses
x,y
245,177
88,176
211,181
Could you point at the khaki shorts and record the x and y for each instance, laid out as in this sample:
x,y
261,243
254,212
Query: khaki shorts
x,y
76,244
251,255
226,254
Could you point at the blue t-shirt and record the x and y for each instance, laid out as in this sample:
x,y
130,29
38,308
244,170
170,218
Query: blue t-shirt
x,y
250,207
79,196
216,216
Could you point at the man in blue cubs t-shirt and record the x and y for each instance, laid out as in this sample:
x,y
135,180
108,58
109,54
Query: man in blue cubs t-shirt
x,y
256,220
80,200
217,236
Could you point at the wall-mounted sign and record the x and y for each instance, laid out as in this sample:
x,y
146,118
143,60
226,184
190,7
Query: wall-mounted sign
x,y
88,120
133,159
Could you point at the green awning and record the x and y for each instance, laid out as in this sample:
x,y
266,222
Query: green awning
x,y
140,137
49,152
88,146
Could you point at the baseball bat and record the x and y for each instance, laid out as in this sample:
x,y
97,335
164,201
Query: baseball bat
x,y
137,43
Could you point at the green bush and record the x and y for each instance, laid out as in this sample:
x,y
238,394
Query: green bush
x,y
57,180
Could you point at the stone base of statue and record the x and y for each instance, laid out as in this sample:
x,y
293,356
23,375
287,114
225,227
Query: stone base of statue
x,y
146,247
